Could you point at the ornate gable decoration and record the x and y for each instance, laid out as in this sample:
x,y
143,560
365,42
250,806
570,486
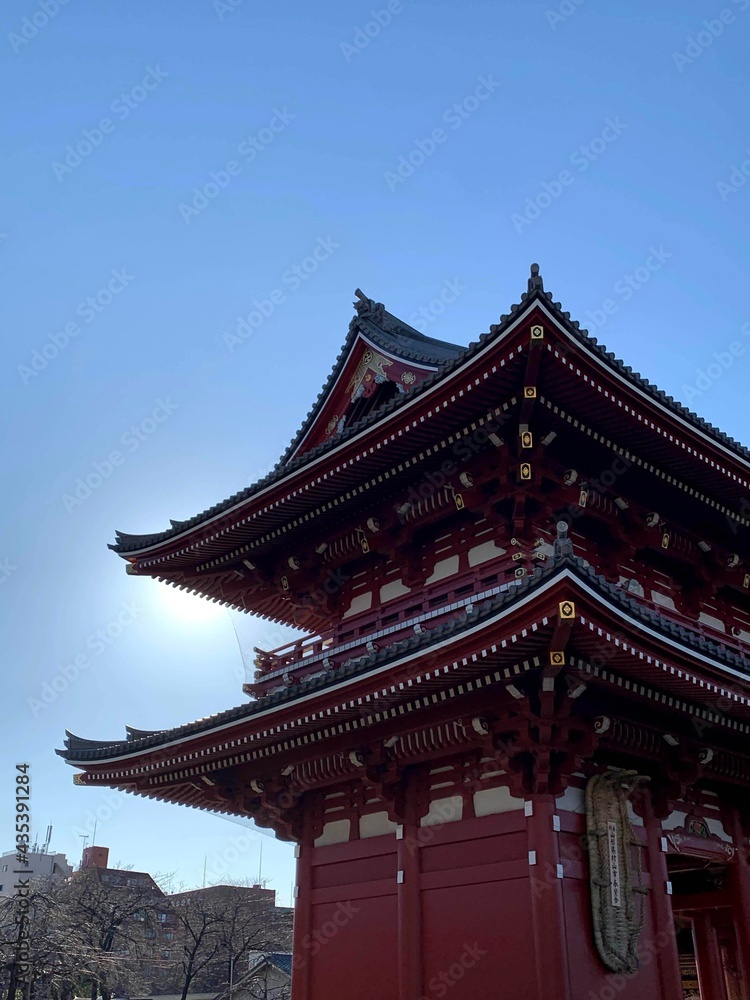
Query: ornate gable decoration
x,y
382,359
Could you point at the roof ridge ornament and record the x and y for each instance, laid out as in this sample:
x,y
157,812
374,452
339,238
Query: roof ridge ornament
x,y
368,308
563,542
535,280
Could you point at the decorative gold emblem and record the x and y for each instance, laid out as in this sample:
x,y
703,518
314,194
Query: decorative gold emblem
x,y
371,361
519,572
665,540
557,658
332,424
582,498
408,378
529,392
79,779
566,610
527,439
459,501
525,471
284,583
697,827
537,333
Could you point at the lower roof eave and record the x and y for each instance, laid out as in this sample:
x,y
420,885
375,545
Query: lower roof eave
x,y
247,721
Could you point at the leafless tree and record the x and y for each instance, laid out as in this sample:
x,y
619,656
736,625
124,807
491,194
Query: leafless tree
x,y
222,926
200,921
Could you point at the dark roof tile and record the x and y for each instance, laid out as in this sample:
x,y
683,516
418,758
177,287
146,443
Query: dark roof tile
x,y
391,327
78,750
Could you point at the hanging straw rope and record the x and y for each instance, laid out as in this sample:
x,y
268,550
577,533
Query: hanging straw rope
x,y
617,897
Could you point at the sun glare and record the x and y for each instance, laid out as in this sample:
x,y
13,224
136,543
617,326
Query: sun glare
x,y
187,608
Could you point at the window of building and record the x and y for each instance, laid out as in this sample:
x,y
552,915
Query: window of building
x,y
162,918
5,868
169,936
150,934
166,954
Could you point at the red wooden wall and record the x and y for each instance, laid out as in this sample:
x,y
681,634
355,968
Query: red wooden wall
x,y
476,910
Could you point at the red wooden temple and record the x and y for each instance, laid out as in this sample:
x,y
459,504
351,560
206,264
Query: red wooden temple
x,y
513,748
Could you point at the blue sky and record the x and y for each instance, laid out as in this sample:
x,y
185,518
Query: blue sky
x,y
168,170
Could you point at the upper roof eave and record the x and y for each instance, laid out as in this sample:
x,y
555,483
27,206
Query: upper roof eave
x,y
131,545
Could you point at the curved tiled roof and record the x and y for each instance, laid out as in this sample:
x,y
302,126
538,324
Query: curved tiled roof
x,y
78,750
130,543
393,335
282,960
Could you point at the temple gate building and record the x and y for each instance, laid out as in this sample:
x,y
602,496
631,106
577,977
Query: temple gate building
x,y
513,748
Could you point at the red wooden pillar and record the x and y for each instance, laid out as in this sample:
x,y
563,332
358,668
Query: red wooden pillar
x,y
708,956
550,944
730,959
409,902
302,956
667,956
739,874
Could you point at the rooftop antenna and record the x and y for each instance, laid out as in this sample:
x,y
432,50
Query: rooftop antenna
x,y
245,675
93,835
48,838
84,837
260,865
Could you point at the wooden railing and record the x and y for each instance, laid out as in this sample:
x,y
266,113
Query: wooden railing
x,y
397,617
